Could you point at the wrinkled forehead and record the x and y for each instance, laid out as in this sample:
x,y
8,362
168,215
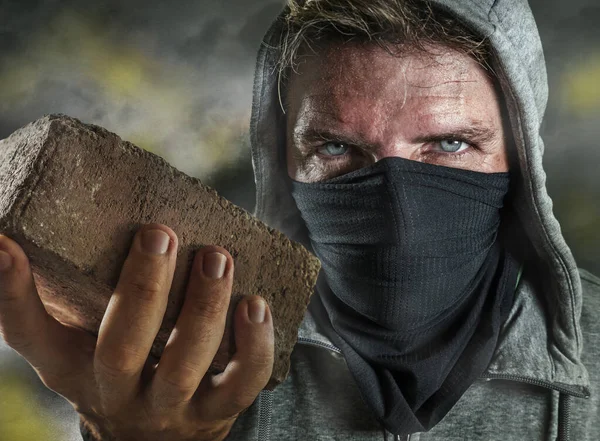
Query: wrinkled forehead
x,y
367,68
339,78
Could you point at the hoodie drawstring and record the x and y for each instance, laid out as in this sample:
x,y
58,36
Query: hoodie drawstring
x,y
564,415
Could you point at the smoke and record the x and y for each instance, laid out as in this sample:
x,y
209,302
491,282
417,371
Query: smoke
x,y
571,39
175,79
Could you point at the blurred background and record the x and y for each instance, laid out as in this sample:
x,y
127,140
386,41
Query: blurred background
x,y
175,78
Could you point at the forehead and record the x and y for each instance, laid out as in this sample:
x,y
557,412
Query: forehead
x,y
343,81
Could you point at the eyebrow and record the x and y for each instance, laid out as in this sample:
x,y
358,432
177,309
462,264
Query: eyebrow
x,y
314,134
475,133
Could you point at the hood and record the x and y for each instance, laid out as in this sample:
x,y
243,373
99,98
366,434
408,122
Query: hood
x,y
545,316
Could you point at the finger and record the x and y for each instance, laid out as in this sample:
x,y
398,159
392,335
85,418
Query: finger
x,y
199,329
134,314
250,368
25,324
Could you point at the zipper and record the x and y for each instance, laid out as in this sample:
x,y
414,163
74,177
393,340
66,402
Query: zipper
x,y
264,415
574,391
566,393
317,343
568,390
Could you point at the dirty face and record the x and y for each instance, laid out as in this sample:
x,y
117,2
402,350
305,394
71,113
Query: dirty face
x,y
352,105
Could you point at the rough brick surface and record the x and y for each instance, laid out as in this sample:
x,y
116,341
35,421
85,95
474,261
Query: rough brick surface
x,y
73,196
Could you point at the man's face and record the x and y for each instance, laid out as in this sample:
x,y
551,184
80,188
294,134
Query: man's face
x,y
353,105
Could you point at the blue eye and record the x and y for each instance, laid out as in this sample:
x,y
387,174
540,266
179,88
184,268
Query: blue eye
x,y
333,149
452,145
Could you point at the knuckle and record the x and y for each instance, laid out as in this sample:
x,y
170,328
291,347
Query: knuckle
x,y
122,361
7,297
162,424
160,406
111,413
183,380
18,340
144,289
190,372
172,389
10,300
261,363
22,346
177,386
208,307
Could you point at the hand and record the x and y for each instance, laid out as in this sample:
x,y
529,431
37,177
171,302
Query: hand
x,y
110,380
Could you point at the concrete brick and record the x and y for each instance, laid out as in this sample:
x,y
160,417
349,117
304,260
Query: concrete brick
x,y
73,196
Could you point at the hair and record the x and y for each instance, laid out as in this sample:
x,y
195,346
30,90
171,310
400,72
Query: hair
x,y
395,25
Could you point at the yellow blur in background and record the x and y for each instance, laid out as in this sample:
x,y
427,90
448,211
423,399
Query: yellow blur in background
x,y
581,86
150,101
21,416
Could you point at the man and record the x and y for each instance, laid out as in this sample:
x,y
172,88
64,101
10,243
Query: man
x,y
399,140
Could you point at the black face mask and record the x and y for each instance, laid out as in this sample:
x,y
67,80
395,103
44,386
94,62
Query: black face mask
x,y
415,283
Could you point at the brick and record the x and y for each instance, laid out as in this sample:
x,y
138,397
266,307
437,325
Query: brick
x,y
73,196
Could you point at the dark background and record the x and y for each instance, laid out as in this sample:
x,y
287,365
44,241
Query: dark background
x,y
176,78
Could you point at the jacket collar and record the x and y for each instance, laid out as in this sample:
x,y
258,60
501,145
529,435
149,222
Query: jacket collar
x,y
523,353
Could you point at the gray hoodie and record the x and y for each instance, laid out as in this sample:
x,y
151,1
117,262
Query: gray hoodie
x,y
543,381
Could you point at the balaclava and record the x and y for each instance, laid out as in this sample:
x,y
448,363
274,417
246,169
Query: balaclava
x,y
415,283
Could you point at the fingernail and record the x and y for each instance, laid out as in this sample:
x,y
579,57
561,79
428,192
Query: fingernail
x,y
256,310
213,265
6,261
155,241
